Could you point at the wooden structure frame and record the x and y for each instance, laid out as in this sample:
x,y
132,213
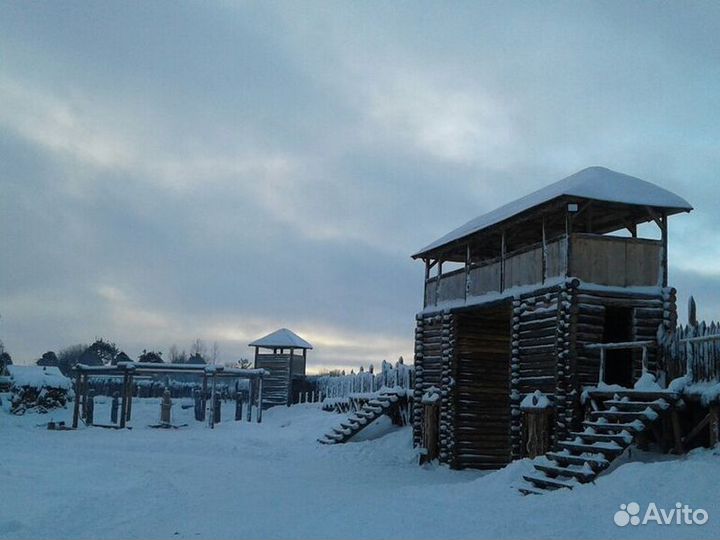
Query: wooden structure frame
x,y
284,363
544,300
130,370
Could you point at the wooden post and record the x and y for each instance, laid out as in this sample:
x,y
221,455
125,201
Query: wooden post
x,y
714,425
76,406
677,433
290,378
568,243
664,221
251,385
601,373
467,270
427,277
211,418
502,262
204,396
544,252
258,415
130,395
644,360
123,405
437,282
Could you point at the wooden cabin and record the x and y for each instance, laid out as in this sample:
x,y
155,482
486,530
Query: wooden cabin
x,y
284,354
515,300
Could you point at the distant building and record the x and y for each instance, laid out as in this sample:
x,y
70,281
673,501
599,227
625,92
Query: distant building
x,y
284,354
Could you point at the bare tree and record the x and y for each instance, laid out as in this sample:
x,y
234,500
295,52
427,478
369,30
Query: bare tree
x,y
198,348
176,356
214,353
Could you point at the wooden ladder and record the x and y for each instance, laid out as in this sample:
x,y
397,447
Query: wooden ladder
x,y
384,403
608,432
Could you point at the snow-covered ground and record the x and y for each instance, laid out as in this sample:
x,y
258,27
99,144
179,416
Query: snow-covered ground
x,y
273,480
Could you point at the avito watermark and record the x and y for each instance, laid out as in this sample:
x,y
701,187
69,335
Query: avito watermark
x,y
681,514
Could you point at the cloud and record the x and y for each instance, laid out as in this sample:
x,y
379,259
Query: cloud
x,y
219,171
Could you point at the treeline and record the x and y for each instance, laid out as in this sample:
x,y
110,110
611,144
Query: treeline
x,y
103,352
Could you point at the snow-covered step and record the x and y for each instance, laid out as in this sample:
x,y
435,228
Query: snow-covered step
x,y
597,462
349,424
367,415
547,483
612,427
623,439
625,416
606,449
635,395
622,405
582,474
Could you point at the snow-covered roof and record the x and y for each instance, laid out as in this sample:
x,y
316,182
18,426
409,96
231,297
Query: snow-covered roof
x,y
282,339
38,377
596,183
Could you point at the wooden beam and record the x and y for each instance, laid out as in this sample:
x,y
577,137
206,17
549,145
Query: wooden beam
x,y
664,255
123,404
502,262
76,405
544,252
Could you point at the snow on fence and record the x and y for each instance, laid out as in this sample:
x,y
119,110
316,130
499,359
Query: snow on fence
x,y
342,386
694,350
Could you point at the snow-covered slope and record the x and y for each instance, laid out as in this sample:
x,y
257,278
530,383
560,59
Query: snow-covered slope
x,y
273,480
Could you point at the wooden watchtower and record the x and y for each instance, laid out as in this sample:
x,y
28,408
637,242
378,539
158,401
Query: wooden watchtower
x,y
284,354
514,301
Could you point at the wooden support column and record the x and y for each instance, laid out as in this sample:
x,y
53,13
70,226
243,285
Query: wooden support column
x,y
251,385
130,396
211,419
467,270
544,252
427,277
123,405
258,415
677,432
664,229
714,425
437,282
568,244
76,406
290,378
502,262
601,371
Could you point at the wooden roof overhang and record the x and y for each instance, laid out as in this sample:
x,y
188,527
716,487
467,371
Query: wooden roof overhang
x,y
526,228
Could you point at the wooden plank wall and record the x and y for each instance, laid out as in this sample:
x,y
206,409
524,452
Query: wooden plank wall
x,y
650,310
482,389
275,385
622,262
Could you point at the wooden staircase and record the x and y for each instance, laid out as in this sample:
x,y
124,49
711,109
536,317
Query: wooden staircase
x,y
607,433
386,402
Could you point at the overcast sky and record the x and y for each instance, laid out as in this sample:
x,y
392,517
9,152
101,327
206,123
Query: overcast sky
x,y
218,170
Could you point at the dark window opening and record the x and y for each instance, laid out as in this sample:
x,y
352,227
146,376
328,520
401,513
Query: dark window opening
x,y
618,329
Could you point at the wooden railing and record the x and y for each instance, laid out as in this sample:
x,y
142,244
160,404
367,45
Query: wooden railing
x,y
627,345
600,259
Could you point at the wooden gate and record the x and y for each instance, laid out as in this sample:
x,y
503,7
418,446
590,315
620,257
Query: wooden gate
x,y
482,392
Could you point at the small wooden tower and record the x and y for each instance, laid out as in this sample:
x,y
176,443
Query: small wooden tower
x,y
285,362
522,301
